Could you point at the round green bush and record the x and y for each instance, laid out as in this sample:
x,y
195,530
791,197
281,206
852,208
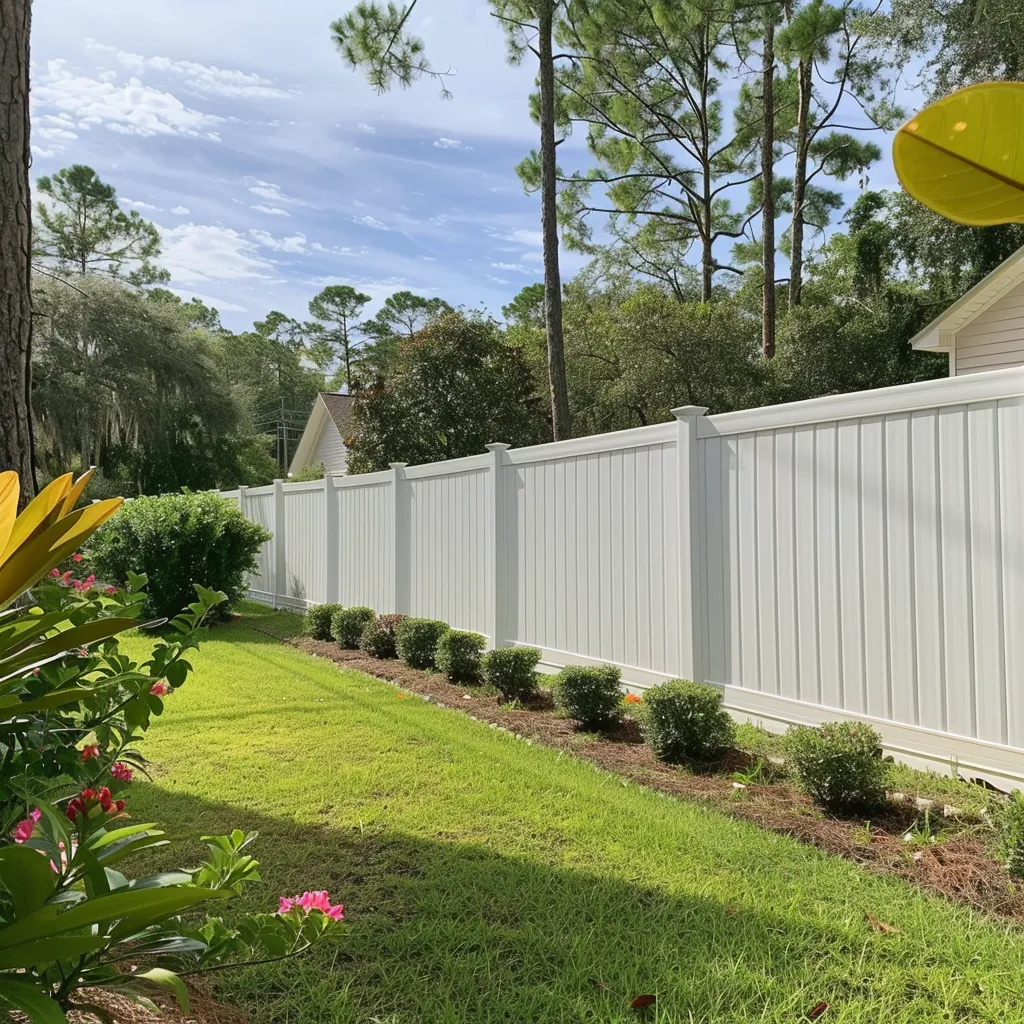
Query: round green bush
x,y
684,721
1008,817
458,655
317,622
591,695
840,765
513,671
347,625
416,641
379,639
178,540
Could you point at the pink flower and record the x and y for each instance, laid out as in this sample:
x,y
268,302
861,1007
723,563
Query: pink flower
x,y
285,905
335,912
89,751
159,689
110,590
82,652
65,578
76,557
54,574
319,899
24,829
121,771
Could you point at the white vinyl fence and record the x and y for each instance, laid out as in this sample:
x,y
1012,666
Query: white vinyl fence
x,y
858,556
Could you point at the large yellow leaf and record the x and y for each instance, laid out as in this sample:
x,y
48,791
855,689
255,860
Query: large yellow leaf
x,y
42,511
963,156
9,491
76,492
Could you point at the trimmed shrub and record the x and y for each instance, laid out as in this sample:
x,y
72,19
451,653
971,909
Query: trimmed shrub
x,y
839,764
178,540
347,625
417,641
591,695
513,671
1009,821
378,639
317,622
685,721
458,655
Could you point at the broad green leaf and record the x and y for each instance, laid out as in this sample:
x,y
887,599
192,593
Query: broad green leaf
x,y
169,980
963,156
102,839
36,1005
26,874
132,908
69,639
49,701
63,947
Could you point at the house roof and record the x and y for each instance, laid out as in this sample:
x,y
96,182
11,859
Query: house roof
x,y
938,335
328,405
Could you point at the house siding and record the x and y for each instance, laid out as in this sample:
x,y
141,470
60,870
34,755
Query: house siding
x,y
994,339
330,449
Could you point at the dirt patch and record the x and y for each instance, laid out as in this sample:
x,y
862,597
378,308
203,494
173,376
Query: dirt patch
x,y
959,867
203,1009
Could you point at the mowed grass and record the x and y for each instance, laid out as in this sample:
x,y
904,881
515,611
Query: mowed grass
x,y
487,880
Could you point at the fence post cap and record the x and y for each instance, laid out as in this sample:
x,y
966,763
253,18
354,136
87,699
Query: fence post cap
x,y
398,465
687,411
497,446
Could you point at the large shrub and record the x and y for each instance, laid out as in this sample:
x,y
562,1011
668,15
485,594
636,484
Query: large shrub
x,y
347,625
839,764
379,639
1009,822
417,641
317,622
513,671
178,541
458,655
685,721
591,695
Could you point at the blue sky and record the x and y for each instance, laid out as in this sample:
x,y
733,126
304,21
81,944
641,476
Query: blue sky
x,y
272,170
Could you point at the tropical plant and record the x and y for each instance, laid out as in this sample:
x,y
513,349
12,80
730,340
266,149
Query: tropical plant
x,y
177,541
71,705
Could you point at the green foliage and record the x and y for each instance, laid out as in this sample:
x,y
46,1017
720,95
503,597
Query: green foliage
x,y
458,655
513,671
840,765
456,386
1008,817
590,694
314,471
347,625
178,541
331,339
317,621
416,641
684,721
402,316
380,639
81,229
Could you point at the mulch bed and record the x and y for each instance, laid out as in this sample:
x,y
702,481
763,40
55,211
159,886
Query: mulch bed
x,y
959,868
203,1009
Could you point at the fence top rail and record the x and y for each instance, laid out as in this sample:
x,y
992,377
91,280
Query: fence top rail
x,y
637,437
259,492
468,464
301,486
930,394
340,480
228,494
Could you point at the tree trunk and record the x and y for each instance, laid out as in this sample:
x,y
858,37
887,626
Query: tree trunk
x,y
16,448
560,426
767,184
707,259
796,260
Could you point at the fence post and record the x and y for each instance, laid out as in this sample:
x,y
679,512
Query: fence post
x,y
242,490
401,526
495,541
688,497
332,588
280,562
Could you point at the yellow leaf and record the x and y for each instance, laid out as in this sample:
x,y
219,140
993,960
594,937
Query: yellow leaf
x,y
33,559
76,492
42,511
9,491
963,156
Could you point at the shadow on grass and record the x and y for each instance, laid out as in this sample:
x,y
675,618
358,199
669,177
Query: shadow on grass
x,y
444,930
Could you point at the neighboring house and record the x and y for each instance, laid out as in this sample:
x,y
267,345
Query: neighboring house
x,y
322,440
983,329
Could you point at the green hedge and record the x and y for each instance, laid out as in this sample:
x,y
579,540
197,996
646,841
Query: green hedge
x,y
685,721
591,695
347,625
379,639
317,622
416,641
513,670
458,655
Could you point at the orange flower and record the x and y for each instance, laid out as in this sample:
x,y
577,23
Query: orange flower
x,y
633,698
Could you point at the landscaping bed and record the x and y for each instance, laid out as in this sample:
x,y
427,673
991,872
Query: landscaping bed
x,y
959,863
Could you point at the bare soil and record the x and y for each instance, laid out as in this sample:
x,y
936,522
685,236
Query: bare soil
x,y
957,866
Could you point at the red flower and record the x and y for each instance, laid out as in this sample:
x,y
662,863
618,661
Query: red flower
x,y
76,806
110,590
89,751
119,806
76,557
54,574
24,829
159,689
121,771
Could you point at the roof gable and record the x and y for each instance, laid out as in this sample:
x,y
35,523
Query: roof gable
x,y
328,406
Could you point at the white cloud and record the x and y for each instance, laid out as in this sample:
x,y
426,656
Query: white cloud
x,y
511,266
496,280
221,305
180,210
290,243
445,143
273,211
196,253
129,109
140,205
533,257
371,222
338,250
270,190
368,128
520,235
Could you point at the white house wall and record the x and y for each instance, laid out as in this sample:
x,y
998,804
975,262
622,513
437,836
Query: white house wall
x,y
995,338
330,449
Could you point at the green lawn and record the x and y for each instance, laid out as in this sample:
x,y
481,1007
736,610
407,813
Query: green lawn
x,y
487,880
